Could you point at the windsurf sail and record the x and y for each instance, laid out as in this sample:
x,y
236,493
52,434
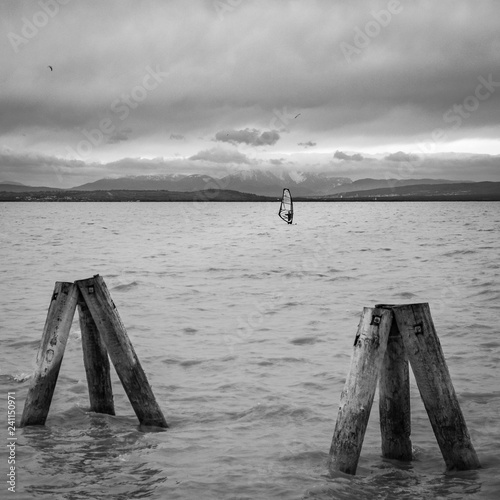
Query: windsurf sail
x,y
286,206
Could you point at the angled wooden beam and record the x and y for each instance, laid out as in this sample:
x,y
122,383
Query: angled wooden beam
x,y
357,397
121,351
96,362
50,353
394,399
434,382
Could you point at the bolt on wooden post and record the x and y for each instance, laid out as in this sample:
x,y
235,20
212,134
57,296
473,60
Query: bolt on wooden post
x,y
436,389
359,390
388,338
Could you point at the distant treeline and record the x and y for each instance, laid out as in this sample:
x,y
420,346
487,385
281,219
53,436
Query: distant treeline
x,y
488,191
130,195
465,197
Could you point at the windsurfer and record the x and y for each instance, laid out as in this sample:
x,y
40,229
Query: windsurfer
x,y
286,207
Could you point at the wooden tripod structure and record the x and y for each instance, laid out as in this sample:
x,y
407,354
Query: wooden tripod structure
x,y
103,334
388,337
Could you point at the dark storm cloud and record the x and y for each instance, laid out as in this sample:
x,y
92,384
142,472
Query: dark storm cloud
x,y
176,137
428,72
39,169
455,167
219,155
339,155
36,169
403,80
119,136
400,156
12,162
252,137
446,166
277,161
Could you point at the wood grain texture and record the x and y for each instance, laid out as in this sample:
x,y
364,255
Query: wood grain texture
x,y
434,383
357,397
121,351
394,399
50,354
96,362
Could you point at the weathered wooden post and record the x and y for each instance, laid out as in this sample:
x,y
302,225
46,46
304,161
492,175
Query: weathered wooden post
x,y
385,344
121,351
394,399
96,362
434,382
359,390
50,353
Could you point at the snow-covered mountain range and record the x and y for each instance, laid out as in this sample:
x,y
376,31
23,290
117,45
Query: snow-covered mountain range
x,y
259,182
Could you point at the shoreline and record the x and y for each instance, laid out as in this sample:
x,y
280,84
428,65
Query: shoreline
x,y
220,196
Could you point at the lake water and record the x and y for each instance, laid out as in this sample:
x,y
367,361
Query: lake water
x,y
244,326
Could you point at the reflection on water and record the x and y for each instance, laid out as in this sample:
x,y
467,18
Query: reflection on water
x,y
400,483
89,456
245,332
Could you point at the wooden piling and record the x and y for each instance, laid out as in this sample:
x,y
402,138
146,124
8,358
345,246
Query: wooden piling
x,y
357,397
394,399
50,353
121,351
96,362
436,389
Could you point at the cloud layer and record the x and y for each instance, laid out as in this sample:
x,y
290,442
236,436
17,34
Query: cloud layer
x,y
339,155
269,78
252,137
45,170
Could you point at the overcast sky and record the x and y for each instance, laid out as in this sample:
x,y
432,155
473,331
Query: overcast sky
x,y
94,88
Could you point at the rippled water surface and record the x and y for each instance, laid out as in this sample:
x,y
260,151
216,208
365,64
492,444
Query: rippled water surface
x,y
244,326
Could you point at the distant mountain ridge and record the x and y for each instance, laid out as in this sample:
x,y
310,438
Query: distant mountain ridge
x,y
117,195
263,183
255,182
260,182
372,184
459,190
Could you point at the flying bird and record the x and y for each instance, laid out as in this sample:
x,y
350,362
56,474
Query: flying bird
x,y
51,68
296,116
